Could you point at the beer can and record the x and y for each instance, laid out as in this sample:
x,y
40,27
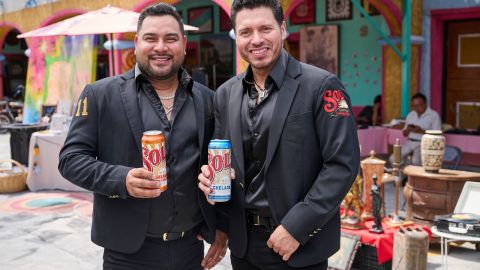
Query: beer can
x,y
154,156
219,165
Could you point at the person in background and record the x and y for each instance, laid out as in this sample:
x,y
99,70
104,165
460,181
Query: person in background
x,y
371,115
139,226
420,119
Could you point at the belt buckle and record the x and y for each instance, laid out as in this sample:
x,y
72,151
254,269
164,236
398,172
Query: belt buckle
x,y
257,221
165,237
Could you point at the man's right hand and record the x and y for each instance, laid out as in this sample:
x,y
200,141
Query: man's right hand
x,y
140,184
205,183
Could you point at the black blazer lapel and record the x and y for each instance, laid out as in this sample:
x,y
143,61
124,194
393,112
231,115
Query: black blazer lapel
x,y
200,114
286,94
132,109
234,116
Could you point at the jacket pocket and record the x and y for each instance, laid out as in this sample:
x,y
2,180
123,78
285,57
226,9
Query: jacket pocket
x,y
294,125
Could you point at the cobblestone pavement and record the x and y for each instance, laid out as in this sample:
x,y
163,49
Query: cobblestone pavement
x,y
61,240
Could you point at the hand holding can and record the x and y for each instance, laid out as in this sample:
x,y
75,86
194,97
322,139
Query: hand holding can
x,y
154,156
219,156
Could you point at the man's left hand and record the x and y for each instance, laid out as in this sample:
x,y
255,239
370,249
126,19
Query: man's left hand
x,y
217,250
283,243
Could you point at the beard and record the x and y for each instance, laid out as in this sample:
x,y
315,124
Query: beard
x,y
152,74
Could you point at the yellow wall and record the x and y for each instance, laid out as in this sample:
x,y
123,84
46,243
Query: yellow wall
x,y
392,69
31,18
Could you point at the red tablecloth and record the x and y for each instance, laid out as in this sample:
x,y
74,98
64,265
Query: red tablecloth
x,y
382,242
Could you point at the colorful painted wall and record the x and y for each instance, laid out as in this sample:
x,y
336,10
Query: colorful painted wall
x,y
360,54
58,70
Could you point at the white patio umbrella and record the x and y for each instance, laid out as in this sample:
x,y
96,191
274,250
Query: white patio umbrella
x,y
107,20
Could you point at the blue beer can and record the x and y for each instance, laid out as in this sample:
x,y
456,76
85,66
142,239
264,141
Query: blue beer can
x,y
219,154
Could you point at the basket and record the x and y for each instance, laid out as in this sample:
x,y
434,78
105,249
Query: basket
x,y
11,181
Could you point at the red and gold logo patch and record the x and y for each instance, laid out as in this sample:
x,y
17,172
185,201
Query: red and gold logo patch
x,y
335,103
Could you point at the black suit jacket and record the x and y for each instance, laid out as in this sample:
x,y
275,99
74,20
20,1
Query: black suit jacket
x,y
104,143
312,159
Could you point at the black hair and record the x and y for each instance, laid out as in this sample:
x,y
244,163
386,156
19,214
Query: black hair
x,y
378,99
420,96
274,5
160,9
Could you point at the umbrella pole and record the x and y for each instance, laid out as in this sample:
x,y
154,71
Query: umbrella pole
x,y
112,55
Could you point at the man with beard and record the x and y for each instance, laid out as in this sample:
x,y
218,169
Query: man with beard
x,y
294,149
138,226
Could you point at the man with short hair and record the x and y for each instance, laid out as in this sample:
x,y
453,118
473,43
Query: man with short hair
x,y
140,227
294,149
420,119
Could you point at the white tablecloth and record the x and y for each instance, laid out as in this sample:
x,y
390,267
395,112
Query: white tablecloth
x,y
43,168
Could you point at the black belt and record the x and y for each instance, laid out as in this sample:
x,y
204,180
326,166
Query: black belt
x,y
259,221
171,236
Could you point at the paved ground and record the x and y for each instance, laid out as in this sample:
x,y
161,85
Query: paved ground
x,y
61,239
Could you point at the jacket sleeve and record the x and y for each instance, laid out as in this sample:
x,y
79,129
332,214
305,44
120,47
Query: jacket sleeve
x,y
338,141
78,158
219,133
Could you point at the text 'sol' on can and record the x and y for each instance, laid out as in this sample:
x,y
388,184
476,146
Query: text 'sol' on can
x,y
154,156
219,165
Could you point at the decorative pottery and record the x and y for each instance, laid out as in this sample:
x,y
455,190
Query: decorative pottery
x,y
432,150
371,166
352,206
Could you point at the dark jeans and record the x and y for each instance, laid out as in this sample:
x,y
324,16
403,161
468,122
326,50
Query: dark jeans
x,y
155,254
260,257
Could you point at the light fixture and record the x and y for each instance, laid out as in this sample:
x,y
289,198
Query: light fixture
x,y
119,44
231,33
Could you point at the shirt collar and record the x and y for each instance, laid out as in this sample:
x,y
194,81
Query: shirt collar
x,y
425,113
277,73
138,72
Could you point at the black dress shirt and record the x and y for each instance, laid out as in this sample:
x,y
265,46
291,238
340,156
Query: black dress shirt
x,y
176,209
256,118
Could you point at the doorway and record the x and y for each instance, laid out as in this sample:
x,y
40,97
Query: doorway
x,y
462,74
